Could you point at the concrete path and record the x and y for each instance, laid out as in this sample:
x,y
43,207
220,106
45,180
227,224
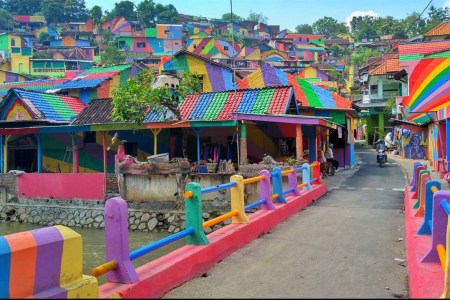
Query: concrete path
x,y
348,244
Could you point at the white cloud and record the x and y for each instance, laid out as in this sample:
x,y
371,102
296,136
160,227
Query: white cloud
x,y
362,14
447,4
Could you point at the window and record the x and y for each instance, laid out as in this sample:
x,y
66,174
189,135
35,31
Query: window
x,y
90,137
13,42
121,44
131,149
140,44
225,47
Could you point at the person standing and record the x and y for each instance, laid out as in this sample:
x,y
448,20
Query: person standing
x,y
330,157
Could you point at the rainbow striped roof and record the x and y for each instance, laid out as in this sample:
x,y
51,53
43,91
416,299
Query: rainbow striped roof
x,y
40,85
306,93
42,105
93,77
221,106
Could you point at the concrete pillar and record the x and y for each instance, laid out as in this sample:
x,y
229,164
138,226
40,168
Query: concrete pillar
x,y
380,88
298,142
243,144
381,124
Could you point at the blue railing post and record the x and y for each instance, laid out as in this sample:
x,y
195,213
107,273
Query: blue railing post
x,y
264,191
425,228
413,180
306,176
116,241
194,217
439,226
277,185
292,182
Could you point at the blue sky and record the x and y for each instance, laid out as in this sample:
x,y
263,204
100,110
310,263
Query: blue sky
x,y
290,13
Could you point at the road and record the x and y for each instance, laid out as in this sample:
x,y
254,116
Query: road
x,y
347,244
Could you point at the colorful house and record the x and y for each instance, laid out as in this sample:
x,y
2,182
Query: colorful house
x,y
40,85
117,26
6,76
17,51
314,101
29,23
214,76
98,82
427,102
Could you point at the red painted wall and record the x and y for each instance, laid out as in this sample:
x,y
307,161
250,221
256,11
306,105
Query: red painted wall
x,y
85,186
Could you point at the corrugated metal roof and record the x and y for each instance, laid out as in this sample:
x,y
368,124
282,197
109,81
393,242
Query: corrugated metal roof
x,y
441,29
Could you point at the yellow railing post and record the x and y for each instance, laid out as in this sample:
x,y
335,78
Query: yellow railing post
x,y
237,199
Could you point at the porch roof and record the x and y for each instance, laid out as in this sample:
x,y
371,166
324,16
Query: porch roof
x,y
290,119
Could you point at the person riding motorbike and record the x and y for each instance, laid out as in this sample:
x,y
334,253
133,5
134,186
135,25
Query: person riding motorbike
x,y
379,145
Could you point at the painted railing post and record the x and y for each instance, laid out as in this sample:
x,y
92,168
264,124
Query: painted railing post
x,y
277,185
425,228
306,176
194,217
292,182
237,199
416,179
316,172
439,226
418,191
412,183
116,241
264,191
420,203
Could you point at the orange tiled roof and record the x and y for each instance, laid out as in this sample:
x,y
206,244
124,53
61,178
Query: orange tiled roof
x,y
389,66
441,29
424,48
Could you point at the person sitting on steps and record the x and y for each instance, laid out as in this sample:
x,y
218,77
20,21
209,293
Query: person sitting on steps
x,y
330,157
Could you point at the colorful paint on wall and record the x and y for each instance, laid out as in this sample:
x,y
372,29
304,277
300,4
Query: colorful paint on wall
x,y
413,145
429,89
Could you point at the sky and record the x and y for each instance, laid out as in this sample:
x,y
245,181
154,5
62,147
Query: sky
x,y
290,13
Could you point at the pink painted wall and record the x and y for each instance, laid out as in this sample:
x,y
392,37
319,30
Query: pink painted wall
x,y
85,186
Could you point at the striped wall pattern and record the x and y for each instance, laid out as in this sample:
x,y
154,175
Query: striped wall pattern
x,y
44,263
429,89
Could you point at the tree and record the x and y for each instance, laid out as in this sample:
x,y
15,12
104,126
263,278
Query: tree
x,y
111,56
75,10
257,17
328,26
435,17
363,27
336,49
228,16
124,9
44,36
146,12
6,20
304,28
22,7
166,14
53,11
96,14
136,99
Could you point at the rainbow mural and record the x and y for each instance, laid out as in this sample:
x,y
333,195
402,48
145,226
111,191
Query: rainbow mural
x,y
429,89
40,85
117,25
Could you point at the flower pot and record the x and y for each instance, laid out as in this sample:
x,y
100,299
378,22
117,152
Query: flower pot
x,y
211,167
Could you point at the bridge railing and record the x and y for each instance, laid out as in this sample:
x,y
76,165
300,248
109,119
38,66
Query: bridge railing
x,y
433,205
118,267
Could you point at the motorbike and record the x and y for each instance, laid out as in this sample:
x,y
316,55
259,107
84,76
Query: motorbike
x,y
381,154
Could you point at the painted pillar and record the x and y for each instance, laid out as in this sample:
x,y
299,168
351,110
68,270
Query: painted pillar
x,y
155,140
312,144
243,145
197,131
105,161
5,154
381,125
380,88
447,141
1,153
298,142
76,168
39,153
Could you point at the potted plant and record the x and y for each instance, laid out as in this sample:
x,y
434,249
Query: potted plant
x,y
211,165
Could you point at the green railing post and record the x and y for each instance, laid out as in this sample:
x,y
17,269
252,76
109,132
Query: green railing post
x,y
194,217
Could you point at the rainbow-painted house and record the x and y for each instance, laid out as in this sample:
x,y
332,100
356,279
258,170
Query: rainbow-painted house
x,y
40,85
314,101
99,82
427,104
215,76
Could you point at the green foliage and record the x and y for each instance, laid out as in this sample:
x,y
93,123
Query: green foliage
x,y
135,100
42,55
6,20
111,56
304,29
390,103
228,16
22,7
328,26
124,9
166,14
53,11
96,14
44,36
257,17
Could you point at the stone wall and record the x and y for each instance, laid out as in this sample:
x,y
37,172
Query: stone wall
x,y
8,187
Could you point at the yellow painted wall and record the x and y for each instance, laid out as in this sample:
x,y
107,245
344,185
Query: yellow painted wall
x,y
197,65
